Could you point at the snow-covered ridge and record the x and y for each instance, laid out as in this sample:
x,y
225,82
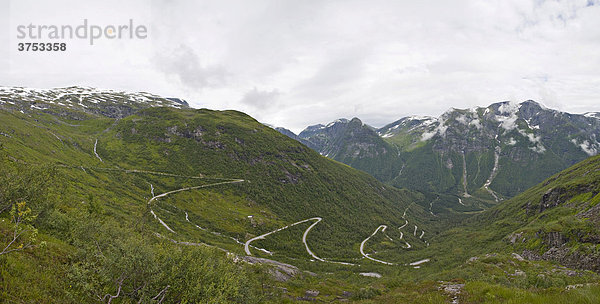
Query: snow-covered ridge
x,y
513,121
341,120
592,115
417,121
419,117
506,115
83,97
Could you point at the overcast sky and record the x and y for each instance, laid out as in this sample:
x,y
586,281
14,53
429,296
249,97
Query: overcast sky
x,y
297,63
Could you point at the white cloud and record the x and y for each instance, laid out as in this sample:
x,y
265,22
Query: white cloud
x,y
184,64
377,60
260,99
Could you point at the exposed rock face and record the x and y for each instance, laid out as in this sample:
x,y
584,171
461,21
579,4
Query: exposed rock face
x,y
452,289
516,237
345,139
556,242
517,257
555,239
573,259
567,257
354,143
557,196
551,198
593,214
293,135
280,271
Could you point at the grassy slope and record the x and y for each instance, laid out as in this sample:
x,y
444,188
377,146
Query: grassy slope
x,y
285,179
480,252
286,182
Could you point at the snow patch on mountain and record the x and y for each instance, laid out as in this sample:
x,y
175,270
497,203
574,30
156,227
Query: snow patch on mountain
x,y
508,123
440,129
341,120
530,126
84,97
420,117
509,108
587,147
538,149
508,115
462,119
418,122
476,123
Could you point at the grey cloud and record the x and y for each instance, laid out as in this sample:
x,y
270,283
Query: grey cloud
x,y
185,64
341,68
377,60
260,99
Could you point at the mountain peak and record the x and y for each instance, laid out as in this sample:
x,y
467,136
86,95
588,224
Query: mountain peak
x,y
340,120
533,104
314,127
179,101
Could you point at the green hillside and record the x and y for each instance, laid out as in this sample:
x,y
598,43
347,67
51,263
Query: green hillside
x,y
527,249
163,203
88,180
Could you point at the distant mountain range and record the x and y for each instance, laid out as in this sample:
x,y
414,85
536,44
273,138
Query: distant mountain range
x,y
490,153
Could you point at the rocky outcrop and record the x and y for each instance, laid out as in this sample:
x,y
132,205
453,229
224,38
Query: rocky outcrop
x,y
555,239
567,257
573,259
554,197
279,271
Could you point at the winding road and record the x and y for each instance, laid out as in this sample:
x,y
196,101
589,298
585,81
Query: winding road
x,y
262,236
318,219
247,244
408,246
161,221
362,246
194,188
154,197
